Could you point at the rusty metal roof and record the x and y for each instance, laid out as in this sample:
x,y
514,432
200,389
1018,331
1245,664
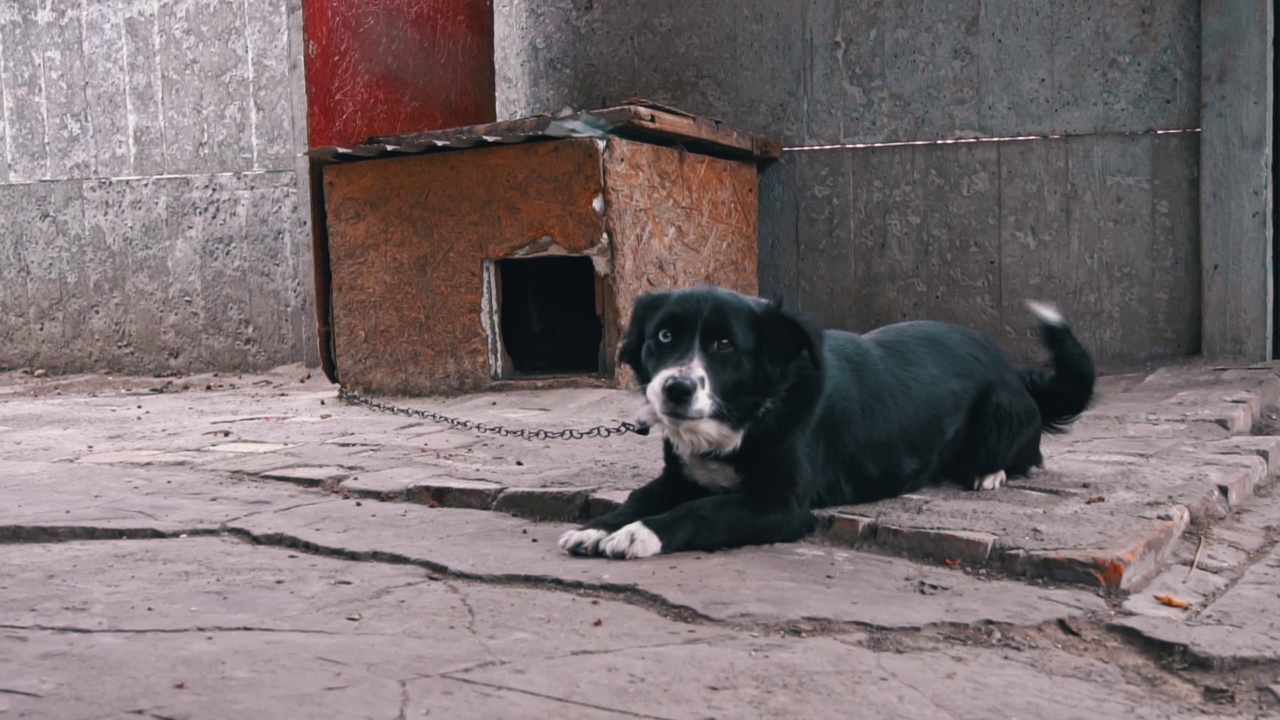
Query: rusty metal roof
x,y
636,119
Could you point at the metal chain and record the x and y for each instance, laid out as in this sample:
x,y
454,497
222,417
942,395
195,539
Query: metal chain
x,y
600,431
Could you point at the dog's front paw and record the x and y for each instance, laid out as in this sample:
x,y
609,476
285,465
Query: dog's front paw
x,y
631,542
582,542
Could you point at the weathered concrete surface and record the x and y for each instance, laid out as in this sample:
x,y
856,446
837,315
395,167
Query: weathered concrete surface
x,y
1157,454
66,501
831,72
1232,618
1103,225
249,583
156,218
1104,221
214,627
1236,177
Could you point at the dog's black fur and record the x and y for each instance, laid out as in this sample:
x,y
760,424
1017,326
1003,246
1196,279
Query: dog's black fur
x,y
767,417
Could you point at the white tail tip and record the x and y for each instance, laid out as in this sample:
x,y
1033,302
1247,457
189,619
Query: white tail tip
x,y
1046,313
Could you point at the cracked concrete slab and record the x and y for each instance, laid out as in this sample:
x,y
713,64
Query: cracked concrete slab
x,y
794,582
1118,492
215,627
739,677
144,498
1232,594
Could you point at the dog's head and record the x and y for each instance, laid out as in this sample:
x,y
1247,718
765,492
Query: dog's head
x,y
710,360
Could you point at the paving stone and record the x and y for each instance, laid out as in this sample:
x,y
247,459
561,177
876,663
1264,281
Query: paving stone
x,y
796,581
1174,582
250,464
1144,447
605,501
844,526
325,454
248,447
971,548
1240,627
314,476
415,485
544,503
1264,446
1098,505
119,456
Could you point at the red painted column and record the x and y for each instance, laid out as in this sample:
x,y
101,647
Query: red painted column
x,y
378,67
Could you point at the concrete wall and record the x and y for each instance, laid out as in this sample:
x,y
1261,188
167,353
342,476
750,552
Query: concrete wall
x,y
154,218
1104,222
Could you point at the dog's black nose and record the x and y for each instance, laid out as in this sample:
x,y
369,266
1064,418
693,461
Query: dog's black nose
x,y
679,390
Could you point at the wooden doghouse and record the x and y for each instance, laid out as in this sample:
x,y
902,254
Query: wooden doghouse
x,y
511,254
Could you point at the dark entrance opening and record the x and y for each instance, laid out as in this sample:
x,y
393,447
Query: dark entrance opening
x,y
549,316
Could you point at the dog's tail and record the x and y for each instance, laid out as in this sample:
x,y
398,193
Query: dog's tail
x,y
1065,391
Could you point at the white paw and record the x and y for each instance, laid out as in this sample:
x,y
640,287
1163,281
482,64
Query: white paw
x,y
632,541
582,542
990,482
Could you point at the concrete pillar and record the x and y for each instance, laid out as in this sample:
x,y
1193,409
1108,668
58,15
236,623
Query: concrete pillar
x,y
1237,103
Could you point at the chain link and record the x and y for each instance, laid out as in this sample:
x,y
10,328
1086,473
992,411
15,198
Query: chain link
x,y
600,431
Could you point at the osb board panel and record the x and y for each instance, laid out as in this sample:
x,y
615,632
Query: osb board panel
x,y
678,219
407,241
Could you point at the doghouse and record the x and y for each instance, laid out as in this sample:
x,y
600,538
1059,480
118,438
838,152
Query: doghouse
x,y
510,254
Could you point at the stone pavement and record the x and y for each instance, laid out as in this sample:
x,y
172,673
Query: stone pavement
x,y
1159,453
231,546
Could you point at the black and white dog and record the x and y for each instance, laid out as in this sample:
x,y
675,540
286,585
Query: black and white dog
x,y
765,417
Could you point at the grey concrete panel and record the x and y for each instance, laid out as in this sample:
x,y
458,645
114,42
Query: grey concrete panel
x,y
4,127
827,71
1034,239
153,274
931,70
825,250
1109,224
846,93
1124,65
1235,178
304,319
105,86
1175,245
267,28
778,222
926,240
1103,226
207,123
143,91
735,61
69,132
49,221
23,79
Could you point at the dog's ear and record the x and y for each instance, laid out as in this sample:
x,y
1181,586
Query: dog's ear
x,y
790,334
633,342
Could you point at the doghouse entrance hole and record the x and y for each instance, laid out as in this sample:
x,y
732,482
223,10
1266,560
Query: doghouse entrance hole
x,y
549,316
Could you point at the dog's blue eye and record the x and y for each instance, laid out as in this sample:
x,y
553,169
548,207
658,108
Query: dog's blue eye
x,y
664,335
722,345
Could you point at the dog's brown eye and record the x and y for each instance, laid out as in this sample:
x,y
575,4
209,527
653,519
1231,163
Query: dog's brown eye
x,y
722,345
664,335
